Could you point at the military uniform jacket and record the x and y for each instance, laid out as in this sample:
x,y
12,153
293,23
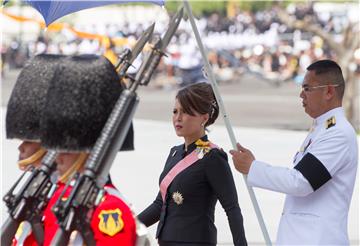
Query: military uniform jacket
x,y
112,221
320,185
187,215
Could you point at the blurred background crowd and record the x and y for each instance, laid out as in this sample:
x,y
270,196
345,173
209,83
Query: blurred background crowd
x,y
243,40
254,38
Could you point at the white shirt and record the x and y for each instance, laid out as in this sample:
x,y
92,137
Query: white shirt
x,y
319,187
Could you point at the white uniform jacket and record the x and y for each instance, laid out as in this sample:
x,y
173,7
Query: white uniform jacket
x,y
318,187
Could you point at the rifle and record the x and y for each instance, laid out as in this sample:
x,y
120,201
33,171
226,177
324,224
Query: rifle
x,y
29,202
88,188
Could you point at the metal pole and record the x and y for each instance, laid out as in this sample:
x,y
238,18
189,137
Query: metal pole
x,y
225,116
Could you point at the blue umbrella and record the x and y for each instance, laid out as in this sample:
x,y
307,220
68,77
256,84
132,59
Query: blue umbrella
x,y
53,10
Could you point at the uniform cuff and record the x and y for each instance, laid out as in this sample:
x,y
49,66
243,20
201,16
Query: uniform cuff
x,y
251,177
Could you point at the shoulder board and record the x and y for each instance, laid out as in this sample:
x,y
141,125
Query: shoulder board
x,y
330,122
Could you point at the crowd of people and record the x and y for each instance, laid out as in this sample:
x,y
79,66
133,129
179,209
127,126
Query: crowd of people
x,y
255,42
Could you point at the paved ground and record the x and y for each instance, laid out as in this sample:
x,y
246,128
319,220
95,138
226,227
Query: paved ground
x,y
249,101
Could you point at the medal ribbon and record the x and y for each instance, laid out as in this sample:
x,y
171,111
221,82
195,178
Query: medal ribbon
x,y
178,168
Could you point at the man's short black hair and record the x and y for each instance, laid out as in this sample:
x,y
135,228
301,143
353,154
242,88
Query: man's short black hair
x,y
324,66
330,73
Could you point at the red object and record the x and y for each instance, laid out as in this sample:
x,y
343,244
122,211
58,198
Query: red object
x,y
112,215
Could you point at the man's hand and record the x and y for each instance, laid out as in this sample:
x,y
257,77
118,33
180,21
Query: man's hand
x,y
242,159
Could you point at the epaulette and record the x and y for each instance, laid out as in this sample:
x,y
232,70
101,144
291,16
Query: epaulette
x,y
330,122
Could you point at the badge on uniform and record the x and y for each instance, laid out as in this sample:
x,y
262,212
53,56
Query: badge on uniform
x,y
330,122
178,198
111,221
202,147
304,148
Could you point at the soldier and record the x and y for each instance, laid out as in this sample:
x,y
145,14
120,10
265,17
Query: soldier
x,y
25,107
80,99
320,184
86,87
23,114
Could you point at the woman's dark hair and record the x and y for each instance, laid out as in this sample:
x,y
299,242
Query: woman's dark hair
x,y
199,98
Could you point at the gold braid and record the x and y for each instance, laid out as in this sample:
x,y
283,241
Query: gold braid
x,y
32,159
75,167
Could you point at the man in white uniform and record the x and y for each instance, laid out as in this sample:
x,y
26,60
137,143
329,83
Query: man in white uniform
x,y
320,184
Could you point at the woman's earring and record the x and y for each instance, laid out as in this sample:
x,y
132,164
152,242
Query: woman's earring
x,y
203,124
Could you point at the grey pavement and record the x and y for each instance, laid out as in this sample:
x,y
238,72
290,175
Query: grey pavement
x,y
249,101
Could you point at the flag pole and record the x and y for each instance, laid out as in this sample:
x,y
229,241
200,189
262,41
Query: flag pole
x,y
225,116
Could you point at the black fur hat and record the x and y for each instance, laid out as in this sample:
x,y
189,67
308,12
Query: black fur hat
x,y
28,96
80,99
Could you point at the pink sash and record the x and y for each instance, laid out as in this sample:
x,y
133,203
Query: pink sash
x,y
178,168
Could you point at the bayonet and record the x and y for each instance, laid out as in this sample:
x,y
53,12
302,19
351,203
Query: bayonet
x,y
174,23
152,60
145,37
127,57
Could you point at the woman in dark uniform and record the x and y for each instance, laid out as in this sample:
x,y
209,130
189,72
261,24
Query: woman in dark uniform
x,y
195,176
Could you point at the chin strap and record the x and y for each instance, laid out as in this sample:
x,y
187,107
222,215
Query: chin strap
x,y
32,159
75,167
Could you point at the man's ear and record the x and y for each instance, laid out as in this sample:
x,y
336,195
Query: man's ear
x,y
331,92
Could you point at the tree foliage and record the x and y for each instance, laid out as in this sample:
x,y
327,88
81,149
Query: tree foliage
x,y
204,8
199,8
254,6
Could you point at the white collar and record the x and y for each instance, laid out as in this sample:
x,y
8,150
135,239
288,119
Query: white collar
x,y
339,111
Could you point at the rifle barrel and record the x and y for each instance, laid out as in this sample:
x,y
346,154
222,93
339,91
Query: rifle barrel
x,y
61,237
8,230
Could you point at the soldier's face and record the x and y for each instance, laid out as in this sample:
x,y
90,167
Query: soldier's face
x,y
65,160
186,125
313,95
27,149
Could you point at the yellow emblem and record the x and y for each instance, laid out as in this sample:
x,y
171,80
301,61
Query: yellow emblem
x,y
330,122
202,147
111,221
178,198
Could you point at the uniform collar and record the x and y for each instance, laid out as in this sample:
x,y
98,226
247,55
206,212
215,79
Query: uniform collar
x,y
61,183
192,146
73,181
339,111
